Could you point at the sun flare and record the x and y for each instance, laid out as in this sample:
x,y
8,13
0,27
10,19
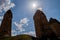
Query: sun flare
x,y
34,5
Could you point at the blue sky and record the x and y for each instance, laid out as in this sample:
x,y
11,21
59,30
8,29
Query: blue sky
x,y
23,11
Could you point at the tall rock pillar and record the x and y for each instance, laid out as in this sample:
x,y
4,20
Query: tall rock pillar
x,y
7,23
40,22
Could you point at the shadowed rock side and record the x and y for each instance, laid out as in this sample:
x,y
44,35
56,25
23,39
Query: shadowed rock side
x,y
6,24
46,30
52,20
40,23
55,26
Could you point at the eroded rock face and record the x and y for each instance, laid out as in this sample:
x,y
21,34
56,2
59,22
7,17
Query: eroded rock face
x,y
52,20
40,23
6,23
55,26
43,27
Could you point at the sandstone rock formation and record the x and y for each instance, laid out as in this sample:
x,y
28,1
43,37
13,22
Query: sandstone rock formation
x,y
55,26
43,27
6,24
40,23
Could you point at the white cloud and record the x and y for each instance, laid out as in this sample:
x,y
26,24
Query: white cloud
x,y
39,9
13,33
6,5
20,25
1,17
32,33
24,21
0,22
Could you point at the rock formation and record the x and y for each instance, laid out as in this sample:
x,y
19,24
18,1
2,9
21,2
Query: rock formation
x,y
6,24
44,28
40,23
52,20
55,26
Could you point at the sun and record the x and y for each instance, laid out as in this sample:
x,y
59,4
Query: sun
x,y
34,5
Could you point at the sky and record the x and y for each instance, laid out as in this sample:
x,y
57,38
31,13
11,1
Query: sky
x,y
24,10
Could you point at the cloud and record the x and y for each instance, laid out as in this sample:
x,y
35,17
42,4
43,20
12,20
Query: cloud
x,y
39,9
24,21
32,33
13,33
1,17
6,5
20,25
0,22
